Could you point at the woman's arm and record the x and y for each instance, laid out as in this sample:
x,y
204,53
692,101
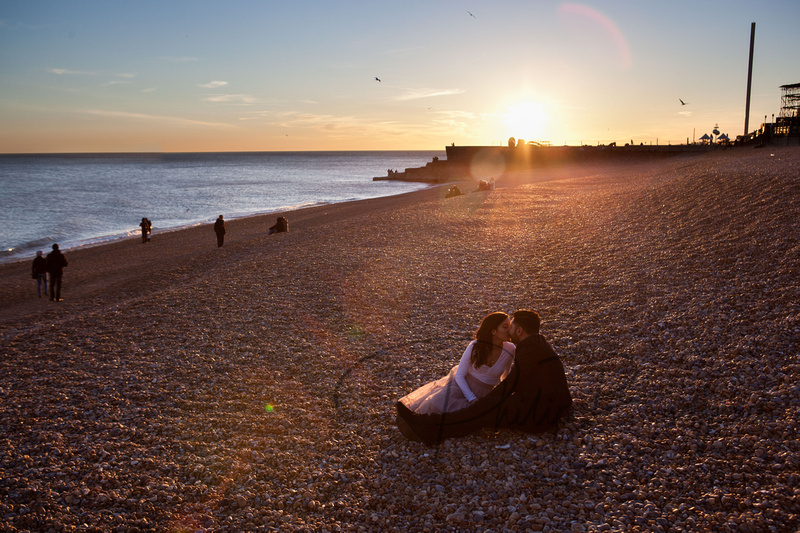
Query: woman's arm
x,y
461,373
509,350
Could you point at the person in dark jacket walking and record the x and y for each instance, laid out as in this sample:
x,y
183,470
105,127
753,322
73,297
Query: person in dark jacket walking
x,y
219,229
56,261
39,273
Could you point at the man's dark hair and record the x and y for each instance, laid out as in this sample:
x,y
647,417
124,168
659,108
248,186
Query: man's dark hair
x,y
528,320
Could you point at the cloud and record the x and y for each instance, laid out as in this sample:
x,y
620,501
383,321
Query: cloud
x,y
63,71
154,118
126,75
230,98
179,59
115,82
213,84
416,94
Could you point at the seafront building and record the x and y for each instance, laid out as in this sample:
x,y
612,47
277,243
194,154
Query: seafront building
x,y
480,162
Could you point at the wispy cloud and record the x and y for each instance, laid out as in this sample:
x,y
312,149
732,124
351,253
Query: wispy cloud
x,y
230,98
154,118
126,75
213,84
65,71
179,59
416,94
115,82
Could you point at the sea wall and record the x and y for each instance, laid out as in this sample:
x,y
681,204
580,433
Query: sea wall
x,y
466,163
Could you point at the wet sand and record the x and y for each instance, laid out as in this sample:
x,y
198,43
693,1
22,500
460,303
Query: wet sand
x,y
183,387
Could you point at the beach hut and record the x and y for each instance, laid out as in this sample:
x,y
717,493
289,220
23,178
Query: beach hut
x,y
705,138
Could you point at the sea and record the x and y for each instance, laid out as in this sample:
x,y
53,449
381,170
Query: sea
x,y
79,200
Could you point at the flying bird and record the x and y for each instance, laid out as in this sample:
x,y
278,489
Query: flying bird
x,y
377,79
682,102
471,15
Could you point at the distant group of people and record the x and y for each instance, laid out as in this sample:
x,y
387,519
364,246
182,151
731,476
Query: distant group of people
x,y
508,377
53,266
282,225
483,185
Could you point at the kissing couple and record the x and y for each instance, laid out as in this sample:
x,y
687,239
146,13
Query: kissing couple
x,y
508,377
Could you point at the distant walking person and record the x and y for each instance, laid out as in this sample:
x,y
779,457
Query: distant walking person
x,y
219,229
146,226
56,261
39,273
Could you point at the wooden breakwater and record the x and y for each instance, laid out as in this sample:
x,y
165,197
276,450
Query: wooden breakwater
x,y
468,163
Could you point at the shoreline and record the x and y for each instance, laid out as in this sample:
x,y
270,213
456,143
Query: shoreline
x,y
181,386
136,234
165,248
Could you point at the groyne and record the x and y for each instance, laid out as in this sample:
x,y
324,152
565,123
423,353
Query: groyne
x,y
467,163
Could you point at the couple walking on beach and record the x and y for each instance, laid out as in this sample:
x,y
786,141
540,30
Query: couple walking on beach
x,y
53,265
508,377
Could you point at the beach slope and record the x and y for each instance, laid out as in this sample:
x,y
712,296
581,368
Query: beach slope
x,y
185,387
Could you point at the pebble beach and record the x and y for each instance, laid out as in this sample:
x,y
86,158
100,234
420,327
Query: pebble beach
x,y
187,388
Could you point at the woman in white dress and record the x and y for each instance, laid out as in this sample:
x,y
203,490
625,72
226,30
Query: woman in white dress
x,y
486,361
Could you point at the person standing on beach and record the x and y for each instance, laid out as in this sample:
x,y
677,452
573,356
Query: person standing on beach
x,y
219,229
146,226
56,261
39,273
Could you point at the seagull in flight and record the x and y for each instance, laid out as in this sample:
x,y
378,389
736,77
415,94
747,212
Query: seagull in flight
x,y
682,102
377,78
471,15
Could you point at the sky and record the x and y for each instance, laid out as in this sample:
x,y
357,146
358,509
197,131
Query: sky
x,y
236,75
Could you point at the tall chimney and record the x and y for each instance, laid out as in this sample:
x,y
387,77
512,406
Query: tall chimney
x,y
749,77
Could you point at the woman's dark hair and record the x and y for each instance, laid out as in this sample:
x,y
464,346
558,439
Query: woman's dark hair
x,y
482,349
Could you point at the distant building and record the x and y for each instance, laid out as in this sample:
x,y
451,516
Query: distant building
x,y
788,122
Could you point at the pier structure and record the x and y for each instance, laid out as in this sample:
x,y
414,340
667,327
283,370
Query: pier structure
x,y
788,122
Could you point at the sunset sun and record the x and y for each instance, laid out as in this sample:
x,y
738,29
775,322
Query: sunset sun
x,y
526,120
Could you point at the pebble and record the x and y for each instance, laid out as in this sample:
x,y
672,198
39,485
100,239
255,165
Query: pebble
x,y
259,395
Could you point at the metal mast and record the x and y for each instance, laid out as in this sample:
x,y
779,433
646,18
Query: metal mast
x,y
749,77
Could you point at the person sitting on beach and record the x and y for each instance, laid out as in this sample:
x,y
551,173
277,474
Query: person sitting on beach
x,y
485,362
453,191
282,225
483,185
532,398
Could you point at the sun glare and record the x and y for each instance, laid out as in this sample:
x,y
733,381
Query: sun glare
x,y
526,120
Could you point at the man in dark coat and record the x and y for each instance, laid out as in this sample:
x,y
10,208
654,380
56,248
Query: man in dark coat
x,y
56,261
219,229
533,397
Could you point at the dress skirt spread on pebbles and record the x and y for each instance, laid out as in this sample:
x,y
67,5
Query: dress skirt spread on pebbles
x,y
444,395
